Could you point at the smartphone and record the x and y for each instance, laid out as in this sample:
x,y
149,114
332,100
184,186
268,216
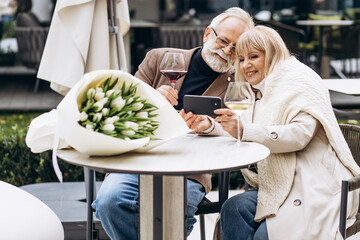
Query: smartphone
x,y
201,105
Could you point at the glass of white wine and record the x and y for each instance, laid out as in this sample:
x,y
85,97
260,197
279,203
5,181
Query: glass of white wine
x,y
238,98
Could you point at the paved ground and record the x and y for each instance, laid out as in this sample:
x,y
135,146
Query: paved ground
x,y
210,219
68,201
17,93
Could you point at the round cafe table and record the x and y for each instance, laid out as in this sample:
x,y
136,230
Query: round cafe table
x,y
162,173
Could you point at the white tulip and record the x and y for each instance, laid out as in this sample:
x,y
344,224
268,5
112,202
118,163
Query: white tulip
x,y
105,112
142,114
90,93
109,127
116,118
128,132
99,96
130,100
98,106
99,90
104,100
131,125
109,92
143,123
137,106
97,117
109,120
89,126
119,103
83,116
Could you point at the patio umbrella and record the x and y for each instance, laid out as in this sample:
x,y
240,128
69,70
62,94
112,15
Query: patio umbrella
x,y
79,41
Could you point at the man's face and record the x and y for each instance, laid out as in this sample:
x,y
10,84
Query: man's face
x,y
219,58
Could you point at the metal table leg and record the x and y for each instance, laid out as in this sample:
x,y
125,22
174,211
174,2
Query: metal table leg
x,y
90,183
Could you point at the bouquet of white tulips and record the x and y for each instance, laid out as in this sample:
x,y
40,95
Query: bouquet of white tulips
x,y
117,112
107,112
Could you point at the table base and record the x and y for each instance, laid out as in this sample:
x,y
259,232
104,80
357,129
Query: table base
x,y
163,207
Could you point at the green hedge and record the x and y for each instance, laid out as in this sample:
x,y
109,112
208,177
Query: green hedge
x,y
18,165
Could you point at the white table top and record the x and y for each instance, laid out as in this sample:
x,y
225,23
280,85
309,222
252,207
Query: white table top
x,y
347,86
324,22
187,154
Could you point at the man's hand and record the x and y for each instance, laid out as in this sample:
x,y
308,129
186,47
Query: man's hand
x,y
169,93
197,123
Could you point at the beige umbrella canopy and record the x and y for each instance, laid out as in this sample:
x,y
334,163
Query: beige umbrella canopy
x,y
79,41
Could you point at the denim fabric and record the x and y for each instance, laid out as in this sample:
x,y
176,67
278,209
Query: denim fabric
x,y
117,205
237,218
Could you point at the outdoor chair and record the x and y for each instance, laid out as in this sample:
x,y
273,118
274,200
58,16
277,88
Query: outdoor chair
x,y
352,137
346,115
206,206
180,36
31,38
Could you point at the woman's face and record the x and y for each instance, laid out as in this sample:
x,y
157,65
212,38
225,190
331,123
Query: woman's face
x,y
252,66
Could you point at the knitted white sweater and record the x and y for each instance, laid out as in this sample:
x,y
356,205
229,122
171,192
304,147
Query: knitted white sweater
x,y
292,87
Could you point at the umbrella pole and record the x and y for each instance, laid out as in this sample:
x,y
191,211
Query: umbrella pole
x,y
114,29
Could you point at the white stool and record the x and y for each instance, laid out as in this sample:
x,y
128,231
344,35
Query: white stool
x,y
23,216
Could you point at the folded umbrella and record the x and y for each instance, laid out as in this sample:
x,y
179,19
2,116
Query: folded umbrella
x,y
79,42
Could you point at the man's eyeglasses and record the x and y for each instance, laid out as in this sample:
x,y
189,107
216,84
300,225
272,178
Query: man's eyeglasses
x,y
223,43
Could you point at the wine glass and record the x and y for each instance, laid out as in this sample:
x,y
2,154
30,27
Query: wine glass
x,y
238,98
172,66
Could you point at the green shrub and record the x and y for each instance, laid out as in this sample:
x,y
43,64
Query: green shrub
x,y
8,29
18,165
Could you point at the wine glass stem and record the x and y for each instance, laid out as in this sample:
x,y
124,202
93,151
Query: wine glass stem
x,y
238,141
173,85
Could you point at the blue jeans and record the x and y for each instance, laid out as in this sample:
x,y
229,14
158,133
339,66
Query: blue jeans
x,y
117,205
237,218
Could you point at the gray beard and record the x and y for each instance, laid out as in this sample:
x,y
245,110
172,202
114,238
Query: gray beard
x,y
213,61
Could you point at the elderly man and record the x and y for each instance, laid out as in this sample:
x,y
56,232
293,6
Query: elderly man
x,y
209,69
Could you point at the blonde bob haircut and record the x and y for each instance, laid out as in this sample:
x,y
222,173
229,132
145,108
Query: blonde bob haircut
x,y
263,39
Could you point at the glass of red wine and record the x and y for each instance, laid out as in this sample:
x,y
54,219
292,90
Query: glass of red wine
x,y
172,67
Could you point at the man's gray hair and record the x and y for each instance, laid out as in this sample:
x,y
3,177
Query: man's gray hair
x,y
233,12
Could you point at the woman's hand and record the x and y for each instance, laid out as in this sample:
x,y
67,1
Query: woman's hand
x,y
197,123
169,93
229,121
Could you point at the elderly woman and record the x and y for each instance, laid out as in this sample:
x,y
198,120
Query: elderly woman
x,y
297,188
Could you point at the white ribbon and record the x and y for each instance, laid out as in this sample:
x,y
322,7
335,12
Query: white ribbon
x,y
54,153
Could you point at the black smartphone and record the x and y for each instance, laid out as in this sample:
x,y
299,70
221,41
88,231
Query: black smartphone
x,y
201,105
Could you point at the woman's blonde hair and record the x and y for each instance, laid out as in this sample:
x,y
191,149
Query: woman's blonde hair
x,y
264,39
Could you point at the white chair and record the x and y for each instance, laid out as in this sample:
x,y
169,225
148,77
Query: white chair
x,y
23,216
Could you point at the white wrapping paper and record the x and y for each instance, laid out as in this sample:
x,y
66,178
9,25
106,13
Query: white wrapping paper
x,y
64,122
